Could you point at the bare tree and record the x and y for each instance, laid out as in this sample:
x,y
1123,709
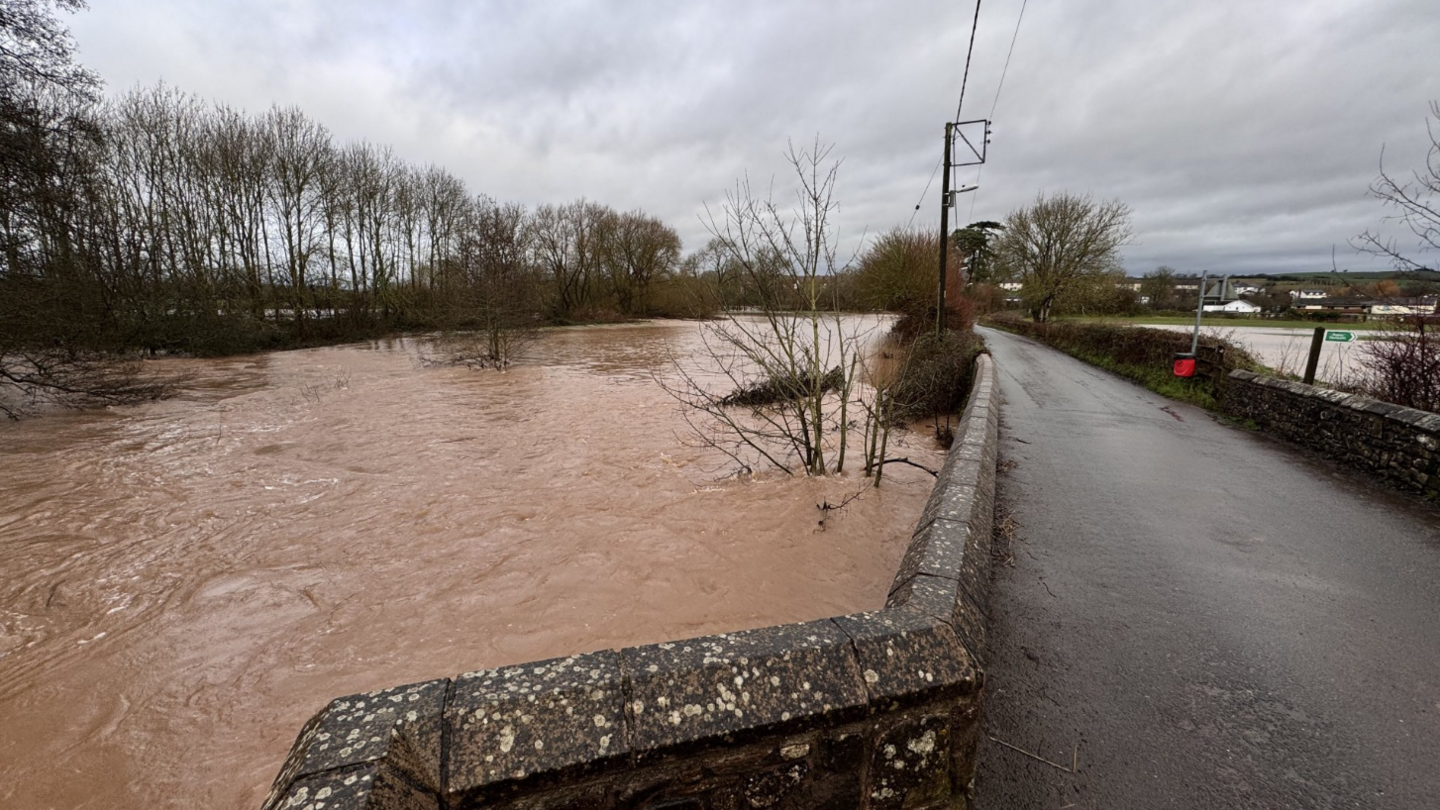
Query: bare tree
x,y
637,251
73,378
36,50
53,316
1158,287
1402,364
776,388
497,307
1059,240
302,157
1413,203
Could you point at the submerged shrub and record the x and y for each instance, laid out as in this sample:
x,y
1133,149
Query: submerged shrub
x,y
784,388
936,376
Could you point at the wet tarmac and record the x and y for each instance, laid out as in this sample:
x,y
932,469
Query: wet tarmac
x,y
1198,616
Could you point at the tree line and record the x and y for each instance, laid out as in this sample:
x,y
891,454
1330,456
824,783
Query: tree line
x,y
159,221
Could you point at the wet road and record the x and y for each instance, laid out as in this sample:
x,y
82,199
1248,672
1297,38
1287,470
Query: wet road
x,y
1200,616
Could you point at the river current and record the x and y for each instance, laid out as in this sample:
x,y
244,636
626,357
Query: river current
x,y
183,583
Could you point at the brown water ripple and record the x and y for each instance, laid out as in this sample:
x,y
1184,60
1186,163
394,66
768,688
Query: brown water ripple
x,y
183,583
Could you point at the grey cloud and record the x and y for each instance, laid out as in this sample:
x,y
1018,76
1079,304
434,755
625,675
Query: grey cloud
x,y
1243,134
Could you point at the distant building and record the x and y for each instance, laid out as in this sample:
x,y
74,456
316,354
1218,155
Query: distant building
x,y
1243,290
1399,308
1236,307
1011,286
1359,307
1308,295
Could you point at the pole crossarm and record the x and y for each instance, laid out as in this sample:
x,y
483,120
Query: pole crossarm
x,y
973,133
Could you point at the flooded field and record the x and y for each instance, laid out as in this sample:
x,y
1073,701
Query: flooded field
x,y
1288,349
183,583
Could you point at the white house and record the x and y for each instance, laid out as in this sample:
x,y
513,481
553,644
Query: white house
x,y
1246,289
1234,307
1397,309
1308,295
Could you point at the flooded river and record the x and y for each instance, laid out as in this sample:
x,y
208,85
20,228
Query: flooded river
x,y
183,583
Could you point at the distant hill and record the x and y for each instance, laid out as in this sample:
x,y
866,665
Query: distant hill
x,y
1376,275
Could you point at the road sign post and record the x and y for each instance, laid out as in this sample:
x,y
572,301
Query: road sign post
x,y
1314,361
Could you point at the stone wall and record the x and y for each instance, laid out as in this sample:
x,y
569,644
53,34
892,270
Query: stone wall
x,y
870,710
1395,443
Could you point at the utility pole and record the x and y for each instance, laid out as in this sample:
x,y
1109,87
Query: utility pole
x,y
1199,309
975,157
944,229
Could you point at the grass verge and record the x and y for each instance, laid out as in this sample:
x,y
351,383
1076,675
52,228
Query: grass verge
x,y
1221,323
1141,355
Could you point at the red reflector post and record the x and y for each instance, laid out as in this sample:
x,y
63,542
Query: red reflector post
x,y
1184,365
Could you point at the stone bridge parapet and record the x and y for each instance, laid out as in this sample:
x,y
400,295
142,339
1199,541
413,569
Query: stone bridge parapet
x,y
1399,445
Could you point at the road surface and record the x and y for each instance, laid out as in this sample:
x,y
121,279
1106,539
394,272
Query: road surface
x,y
1200,616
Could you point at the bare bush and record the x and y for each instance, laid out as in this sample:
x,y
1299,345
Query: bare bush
x,y
1402,365
31,379
796,351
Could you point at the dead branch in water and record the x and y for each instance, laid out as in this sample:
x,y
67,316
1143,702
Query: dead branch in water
x,y
826,508
73,378
935,473
784,387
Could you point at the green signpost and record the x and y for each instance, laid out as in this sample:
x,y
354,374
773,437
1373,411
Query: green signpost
x,y
1322,335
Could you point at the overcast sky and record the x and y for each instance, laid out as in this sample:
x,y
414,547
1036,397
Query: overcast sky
x,y
1243,134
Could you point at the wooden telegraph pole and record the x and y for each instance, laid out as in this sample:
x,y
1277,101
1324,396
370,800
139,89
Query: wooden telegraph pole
x,y
944,228
975,158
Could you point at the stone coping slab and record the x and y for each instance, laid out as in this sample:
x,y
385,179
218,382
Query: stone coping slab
x,y
494,737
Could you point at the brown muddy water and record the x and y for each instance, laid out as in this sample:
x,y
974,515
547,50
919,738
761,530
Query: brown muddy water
x,y
183,583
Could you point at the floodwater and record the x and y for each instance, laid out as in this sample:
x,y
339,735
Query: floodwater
x,y
1288,349
183,583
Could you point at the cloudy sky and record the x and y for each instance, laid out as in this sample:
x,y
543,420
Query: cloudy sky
x,y
1243,134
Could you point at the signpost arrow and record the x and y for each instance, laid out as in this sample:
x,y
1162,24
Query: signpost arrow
x,y
1326,336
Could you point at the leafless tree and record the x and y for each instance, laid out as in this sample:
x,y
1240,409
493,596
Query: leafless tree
x,y
495,308
639,251
1413,203
36,50
1158,287
74,378
776,387
569,244
1401,364
1059,240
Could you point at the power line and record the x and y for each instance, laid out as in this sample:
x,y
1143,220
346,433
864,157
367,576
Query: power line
x,y
964,79
1008,54
996,103
969,53
921,201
